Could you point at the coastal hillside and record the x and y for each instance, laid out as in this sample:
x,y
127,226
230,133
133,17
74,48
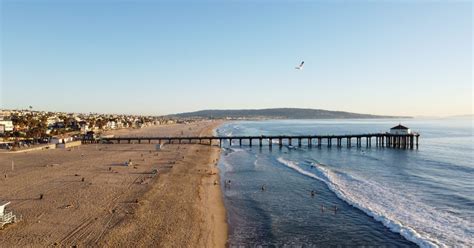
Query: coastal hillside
x,y
280,113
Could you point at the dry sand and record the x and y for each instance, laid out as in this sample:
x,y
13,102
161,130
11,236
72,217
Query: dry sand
x,y
116,205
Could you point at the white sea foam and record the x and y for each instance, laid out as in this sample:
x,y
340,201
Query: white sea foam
x,y
258,164
401,213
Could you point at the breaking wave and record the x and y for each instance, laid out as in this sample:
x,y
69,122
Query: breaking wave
x,y
401,213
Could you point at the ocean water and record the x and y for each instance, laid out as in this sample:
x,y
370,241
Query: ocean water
x,y
384,196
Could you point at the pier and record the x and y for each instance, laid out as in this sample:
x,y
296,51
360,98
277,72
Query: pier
x,y
399,141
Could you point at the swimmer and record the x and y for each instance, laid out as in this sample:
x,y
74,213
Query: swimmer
x,y
263,187
313,193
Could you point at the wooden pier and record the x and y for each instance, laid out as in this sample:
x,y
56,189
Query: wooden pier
x,y
400,141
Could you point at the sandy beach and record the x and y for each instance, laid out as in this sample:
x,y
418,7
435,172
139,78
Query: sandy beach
x,y
90,198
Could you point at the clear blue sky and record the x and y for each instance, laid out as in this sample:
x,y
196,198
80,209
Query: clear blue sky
x,y
156,57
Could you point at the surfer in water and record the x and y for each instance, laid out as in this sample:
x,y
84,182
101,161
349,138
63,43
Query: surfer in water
x,y
313,193
263,187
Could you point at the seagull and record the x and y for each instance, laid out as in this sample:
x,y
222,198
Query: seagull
x,y
300,67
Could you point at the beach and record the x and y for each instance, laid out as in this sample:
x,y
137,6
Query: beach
x,y
166,197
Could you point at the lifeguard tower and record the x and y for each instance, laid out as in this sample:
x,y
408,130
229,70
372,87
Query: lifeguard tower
x,y
6,217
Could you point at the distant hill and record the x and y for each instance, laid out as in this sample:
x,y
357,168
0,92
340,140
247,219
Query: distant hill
x,y
279,113
467,116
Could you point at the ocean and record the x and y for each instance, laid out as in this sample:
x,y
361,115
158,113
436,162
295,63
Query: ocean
x,y
374,196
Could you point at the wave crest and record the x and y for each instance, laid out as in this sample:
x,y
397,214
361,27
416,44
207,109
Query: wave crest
x,y
417,222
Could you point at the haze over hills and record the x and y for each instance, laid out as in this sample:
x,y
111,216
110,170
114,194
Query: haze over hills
x,y
280,113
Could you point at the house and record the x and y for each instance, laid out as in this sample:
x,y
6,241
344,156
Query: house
x,y
59,124
111,125
51,121
400,130
84,127
4,115
6,126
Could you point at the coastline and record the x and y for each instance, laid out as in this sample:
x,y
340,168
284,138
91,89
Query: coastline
x,y
213,199
349,197
117,205
196,216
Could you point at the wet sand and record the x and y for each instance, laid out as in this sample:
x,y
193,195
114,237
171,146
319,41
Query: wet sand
x,y
90,198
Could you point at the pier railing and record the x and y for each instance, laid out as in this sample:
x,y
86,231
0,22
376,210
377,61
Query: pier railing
x,y
402,141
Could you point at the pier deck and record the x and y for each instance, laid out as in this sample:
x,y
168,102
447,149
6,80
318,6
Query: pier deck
x,y
405,141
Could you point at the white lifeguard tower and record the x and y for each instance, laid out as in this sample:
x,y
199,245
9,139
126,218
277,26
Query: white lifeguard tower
x,y
6,217
400,130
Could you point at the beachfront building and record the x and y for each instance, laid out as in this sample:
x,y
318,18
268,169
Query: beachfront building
x,y
4,115
6,126
111,125
400,130
84,127
60,140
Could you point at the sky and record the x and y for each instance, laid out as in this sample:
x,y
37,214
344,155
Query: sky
x,y
159,57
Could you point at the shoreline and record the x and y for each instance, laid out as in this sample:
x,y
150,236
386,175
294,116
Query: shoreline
x,y
213,198
117,205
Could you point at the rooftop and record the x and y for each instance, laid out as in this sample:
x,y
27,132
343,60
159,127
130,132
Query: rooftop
x,y
399,126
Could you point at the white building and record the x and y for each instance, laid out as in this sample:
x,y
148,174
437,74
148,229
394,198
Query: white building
x,y
7,126
85,128
111,125
52,120
400,130
58,140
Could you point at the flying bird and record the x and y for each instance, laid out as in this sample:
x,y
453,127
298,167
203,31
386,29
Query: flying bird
x,y
300,67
